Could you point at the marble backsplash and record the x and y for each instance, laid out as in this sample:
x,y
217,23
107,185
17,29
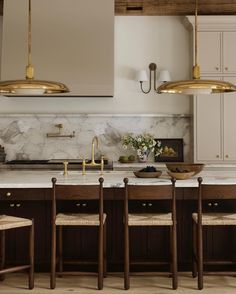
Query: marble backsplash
x,y
24,136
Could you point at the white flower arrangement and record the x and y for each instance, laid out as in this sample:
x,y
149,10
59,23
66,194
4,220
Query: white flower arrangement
x,y
142,143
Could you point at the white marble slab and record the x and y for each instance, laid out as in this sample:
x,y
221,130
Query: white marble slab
x,y
42,179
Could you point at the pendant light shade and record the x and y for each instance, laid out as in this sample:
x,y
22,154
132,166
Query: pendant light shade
x,y
196,85
30,86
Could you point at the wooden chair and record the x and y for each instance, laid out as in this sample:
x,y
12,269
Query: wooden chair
x,y
202,219
78,192
153,192
11,222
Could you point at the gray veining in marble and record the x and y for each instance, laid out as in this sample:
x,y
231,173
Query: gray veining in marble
x,y
24,137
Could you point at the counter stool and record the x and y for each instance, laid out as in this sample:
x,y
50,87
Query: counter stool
x,y
165,191
78,192
11,222
201,219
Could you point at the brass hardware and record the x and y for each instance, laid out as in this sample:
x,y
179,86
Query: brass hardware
x,y
217,156
65,173
209,204
8,194
93,163
226,68
59,133
227,156
30,86
12,205
196,85
217,68
18,205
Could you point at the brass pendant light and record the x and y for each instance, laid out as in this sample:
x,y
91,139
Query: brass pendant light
x,y
196,85
29,86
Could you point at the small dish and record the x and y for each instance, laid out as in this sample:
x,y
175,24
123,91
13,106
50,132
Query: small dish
x,y
181,176
155,174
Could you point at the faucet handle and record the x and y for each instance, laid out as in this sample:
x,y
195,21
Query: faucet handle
x,y
83,166
65,163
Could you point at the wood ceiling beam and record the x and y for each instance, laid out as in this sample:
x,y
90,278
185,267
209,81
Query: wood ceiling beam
x,y
174,7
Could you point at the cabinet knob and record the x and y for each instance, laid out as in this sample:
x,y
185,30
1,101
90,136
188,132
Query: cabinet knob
x,y
8,194
143,204
217,156
18,205
77,204
227,156
149,204
12,205
216,204
226,68
217,68
209,204
84,204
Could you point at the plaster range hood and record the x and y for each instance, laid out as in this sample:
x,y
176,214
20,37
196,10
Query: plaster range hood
x,y
72,42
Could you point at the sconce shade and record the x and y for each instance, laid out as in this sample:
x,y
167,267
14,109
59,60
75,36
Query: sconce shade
x,y
164,76
141,76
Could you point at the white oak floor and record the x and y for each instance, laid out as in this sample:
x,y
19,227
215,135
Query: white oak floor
x,y
17,284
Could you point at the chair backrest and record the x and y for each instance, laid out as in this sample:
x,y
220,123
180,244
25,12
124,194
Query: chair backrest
x,y
77,192
206,191
160,191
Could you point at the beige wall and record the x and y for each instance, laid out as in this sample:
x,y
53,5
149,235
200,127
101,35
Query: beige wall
x,y
138,41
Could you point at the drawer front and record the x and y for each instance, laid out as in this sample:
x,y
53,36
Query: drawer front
x,y
22,194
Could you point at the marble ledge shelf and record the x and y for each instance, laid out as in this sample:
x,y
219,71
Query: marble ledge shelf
x,y
184,115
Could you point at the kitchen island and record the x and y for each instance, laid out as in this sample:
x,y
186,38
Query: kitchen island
x,y
27,193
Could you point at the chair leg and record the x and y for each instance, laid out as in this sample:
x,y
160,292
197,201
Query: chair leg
x,y
2,248
171,251
53,258
126,259
174,259
60,249
194,269
31,256
200,257
105,250
100,258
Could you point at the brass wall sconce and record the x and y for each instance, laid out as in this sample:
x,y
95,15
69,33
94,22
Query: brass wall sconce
x,y
59,133
164,76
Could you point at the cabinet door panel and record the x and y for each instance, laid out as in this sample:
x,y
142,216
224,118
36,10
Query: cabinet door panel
x,y
229,49
208,128
229,124
210,52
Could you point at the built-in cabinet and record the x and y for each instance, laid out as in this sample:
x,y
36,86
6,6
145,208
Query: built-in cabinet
x,y
214,115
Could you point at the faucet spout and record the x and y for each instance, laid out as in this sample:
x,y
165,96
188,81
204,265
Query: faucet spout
x,y
94,141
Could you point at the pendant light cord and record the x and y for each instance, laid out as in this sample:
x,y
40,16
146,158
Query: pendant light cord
x,y
196,68
29,68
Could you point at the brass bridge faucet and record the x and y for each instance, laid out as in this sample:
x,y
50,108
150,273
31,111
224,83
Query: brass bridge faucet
x,y
93,163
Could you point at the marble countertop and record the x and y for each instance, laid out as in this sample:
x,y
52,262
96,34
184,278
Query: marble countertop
x,y
42,179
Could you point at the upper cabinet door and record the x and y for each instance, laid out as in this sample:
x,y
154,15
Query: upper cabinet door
x,y
208,126
229,49
209,46
72,43
229,124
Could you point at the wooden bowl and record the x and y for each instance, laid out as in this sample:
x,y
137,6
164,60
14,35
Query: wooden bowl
x,y
181,176
188,167
155,174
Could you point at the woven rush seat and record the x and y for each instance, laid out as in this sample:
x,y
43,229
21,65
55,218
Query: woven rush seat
x,y
149,219
78,219
216,219
10,222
